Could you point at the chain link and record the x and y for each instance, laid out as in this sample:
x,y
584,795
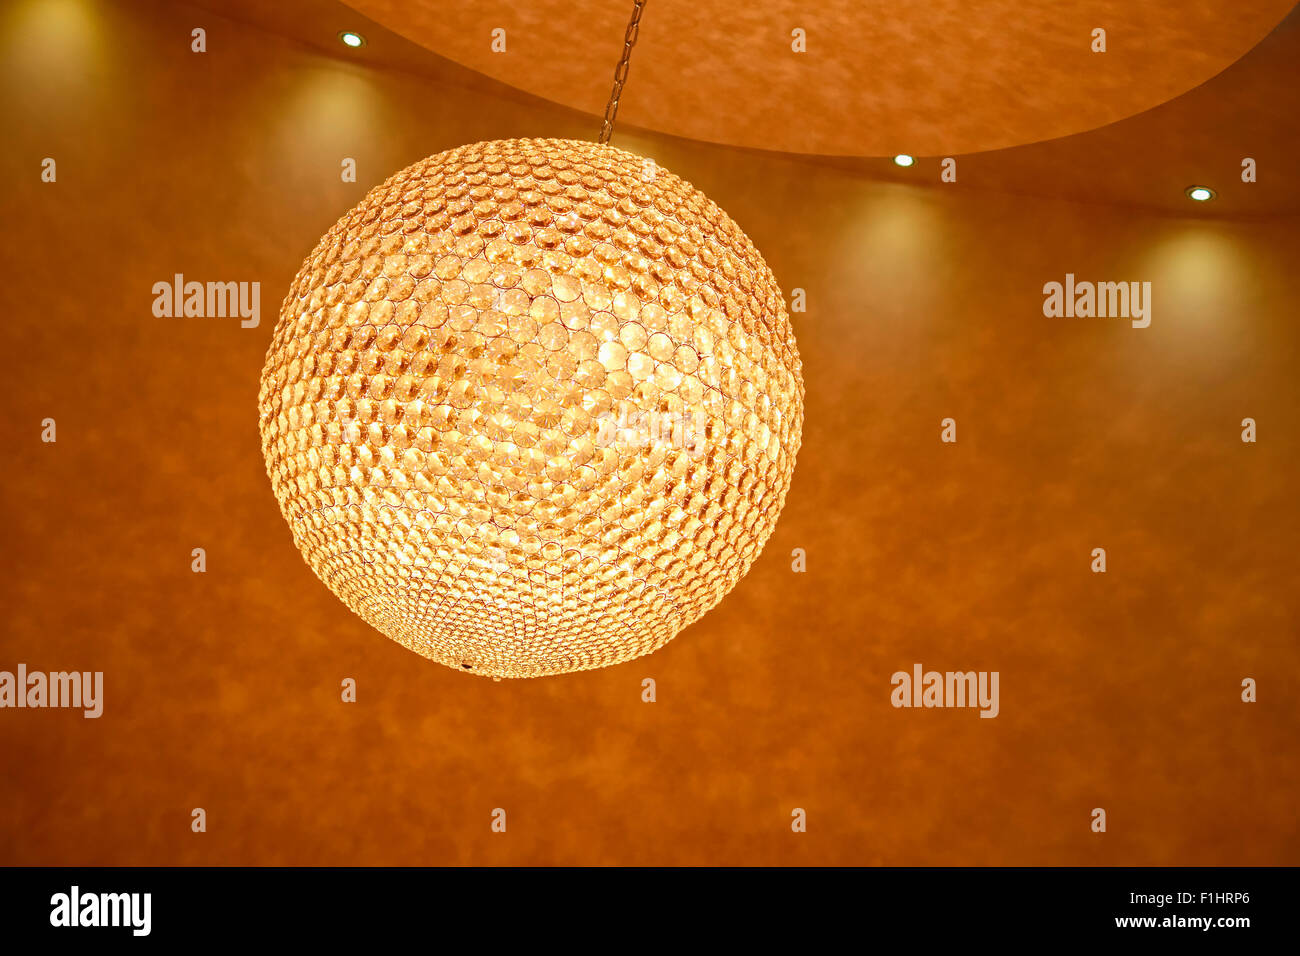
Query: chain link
x,y
620,71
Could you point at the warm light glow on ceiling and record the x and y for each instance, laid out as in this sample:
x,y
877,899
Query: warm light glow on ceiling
x,y
1200,193
54,50
352,39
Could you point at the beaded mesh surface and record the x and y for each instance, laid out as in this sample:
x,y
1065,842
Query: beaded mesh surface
x,y
532,407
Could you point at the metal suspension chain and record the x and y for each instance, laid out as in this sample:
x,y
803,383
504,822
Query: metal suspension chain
x,y
620,72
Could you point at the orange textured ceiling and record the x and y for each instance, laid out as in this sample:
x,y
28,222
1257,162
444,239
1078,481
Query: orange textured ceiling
x,y
878,78
222,689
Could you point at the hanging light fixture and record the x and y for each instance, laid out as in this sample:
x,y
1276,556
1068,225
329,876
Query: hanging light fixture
x,y
532,406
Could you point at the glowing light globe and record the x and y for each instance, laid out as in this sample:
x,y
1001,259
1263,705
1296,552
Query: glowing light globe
x,y
532,407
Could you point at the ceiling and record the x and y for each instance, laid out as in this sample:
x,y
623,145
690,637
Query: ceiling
x,y
1144,160
877,77
924,301
1147,160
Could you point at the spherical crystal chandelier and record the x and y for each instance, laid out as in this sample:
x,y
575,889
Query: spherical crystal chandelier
x,y
533,406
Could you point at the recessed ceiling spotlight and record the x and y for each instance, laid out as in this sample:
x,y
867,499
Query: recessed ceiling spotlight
x,y
1200,193
902,159
351,39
